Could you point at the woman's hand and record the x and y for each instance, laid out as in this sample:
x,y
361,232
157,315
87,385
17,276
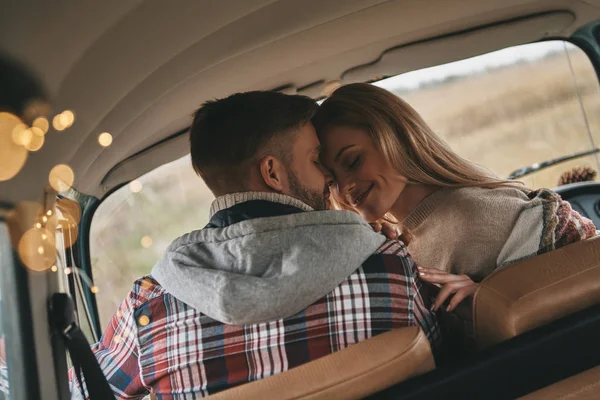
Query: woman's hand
x,y
458,286
388,229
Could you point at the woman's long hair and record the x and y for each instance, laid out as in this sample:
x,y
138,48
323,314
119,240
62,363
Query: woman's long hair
x,y
403,138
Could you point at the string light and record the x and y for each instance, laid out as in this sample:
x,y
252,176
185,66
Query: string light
x,y
12,154
54,268
61,178
144,320
67,271
105,139
42,124
37,249
94,289
36,142
146,242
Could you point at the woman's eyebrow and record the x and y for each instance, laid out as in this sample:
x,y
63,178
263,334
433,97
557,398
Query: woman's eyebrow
x,y
343,149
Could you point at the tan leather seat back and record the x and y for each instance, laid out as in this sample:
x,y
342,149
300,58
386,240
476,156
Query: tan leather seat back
x,y
531,293
352,373
584,386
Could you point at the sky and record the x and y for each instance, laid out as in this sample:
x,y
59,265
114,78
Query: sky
x,y
511,55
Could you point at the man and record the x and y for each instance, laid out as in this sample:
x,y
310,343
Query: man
x,y
274,281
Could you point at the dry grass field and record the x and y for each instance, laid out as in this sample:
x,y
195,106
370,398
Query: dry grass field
x,y
503,119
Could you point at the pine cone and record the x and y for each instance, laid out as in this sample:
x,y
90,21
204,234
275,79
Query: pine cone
x,y
578,174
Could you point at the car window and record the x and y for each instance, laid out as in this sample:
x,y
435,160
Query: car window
x,y
512,108
134,225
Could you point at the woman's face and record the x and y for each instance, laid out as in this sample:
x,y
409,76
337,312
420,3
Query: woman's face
x,y
363,177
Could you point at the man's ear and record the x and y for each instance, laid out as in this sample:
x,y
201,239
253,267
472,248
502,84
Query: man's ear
x,y
273,173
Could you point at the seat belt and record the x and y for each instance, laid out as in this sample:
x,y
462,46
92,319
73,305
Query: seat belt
x,y
62,318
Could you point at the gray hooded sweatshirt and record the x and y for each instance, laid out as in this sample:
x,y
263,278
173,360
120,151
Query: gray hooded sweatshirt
x,y
265,269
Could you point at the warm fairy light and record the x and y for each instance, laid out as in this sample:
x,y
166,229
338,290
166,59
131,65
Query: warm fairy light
x,y
12,153
105,139
38,225
67,271
54,268
42,124
61,178
146,242
21,135
94,289
68,118
58,123
49,212
44,219
119,314
135,186
36,141
117,338
144,320
37,249
69,209
37,131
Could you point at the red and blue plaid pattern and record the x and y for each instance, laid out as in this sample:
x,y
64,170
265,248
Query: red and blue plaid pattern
x,y
157,343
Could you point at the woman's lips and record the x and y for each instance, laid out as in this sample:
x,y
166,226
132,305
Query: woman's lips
x,y
363,196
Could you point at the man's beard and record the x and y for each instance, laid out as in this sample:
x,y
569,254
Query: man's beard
x,y
314,198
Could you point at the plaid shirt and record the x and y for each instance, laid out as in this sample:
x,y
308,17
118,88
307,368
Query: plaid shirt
x,y
157,343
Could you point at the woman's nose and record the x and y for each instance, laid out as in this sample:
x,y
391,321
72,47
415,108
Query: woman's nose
x,y
344,185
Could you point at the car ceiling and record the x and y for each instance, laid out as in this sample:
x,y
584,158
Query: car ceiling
x,y
138,69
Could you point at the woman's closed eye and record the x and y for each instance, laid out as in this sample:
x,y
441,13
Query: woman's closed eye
x,y
354,163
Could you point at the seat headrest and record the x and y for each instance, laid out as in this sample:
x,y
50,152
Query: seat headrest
x,y
352,373
533,292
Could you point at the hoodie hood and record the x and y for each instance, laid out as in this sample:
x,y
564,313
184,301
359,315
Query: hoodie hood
x,y
265,269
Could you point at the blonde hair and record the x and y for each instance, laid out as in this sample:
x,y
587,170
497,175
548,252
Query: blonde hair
x,y
403,138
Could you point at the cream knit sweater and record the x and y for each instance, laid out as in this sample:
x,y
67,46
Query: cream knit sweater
x,y
473,230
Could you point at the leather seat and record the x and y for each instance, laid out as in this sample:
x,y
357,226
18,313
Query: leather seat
x,y
583,386
533,292
352,373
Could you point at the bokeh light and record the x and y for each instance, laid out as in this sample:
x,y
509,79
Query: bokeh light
x,y
22,135
68,118
146,242
69,229
36,142
61,178
94,289
37,249
42,124
69,207
135,186
12,155
144,320
54,268
67,271
105,139
58,123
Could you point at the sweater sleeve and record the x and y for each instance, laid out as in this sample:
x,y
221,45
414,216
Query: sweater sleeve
x,y
548,223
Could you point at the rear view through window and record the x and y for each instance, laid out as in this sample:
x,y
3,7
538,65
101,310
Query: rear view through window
x,y
504,110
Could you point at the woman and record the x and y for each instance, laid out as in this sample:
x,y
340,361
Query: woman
x,y
458,219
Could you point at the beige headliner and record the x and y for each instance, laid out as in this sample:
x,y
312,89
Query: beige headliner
x,y
139,69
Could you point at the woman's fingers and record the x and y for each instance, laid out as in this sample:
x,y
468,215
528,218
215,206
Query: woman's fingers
x,y
461,294
376,226
389,231
448,290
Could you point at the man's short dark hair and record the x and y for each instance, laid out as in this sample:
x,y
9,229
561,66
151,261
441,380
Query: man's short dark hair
x,y
229,133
